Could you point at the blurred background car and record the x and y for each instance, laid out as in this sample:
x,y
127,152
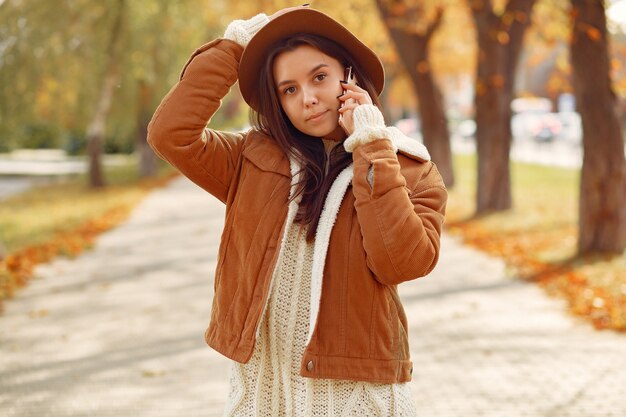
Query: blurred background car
x,y
545,127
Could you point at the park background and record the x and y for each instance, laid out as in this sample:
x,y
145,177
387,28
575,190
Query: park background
x,y
522,104
80,80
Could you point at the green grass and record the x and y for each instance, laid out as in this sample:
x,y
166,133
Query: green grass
x,y
538,238
534,186
36,215
544,199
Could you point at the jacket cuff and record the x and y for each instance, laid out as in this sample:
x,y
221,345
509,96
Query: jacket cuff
x,y
241,31
369,125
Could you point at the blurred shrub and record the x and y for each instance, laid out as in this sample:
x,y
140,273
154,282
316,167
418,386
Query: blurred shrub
x,y
119,144
7,140
75,143
38,136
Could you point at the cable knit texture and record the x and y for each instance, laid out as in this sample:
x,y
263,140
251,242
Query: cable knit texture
x,y
270,383
369,125
241,31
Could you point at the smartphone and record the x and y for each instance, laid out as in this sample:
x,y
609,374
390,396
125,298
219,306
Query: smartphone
x,y
348,76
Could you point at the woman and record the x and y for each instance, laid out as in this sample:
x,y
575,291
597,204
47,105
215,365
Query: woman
x,y
327,210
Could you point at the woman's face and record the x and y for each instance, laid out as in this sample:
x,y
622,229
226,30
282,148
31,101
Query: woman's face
x,y
307,84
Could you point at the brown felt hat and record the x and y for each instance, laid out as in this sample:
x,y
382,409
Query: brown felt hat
x,y
296,20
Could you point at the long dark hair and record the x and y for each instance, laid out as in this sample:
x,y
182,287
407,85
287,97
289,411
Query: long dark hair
x,y
271,120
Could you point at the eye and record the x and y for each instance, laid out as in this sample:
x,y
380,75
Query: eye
x,y
289,90
321,76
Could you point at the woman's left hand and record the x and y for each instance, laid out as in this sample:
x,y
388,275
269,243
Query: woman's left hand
x,y
353,97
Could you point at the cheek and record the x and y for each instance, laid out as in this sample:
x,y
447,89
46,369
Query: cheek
x,y
334,94
290,111
339,90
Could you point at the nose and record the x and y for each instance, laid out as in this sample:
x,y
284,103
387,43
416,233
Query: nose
x,y
309,97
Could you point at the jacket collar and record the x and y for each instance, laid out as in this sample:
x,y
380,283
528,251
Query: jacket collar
x,y
408,146
263,152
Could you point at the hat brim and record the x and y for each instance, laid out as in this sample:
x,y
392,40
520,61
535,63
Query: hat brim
x,y
302,20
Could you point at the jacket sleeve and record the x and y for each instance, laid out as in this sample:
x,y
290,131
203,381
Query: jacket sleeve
x,y
401,223
178,132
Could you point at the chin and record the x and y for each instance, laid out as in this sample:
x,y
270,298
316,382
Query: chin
x,y
321,132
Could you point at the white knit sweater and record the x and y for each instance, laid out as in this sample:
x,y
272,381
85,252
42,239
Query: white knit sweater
x,y
270,383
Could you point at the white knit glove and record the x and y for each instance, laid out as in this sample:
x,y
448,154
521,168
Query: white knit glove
x,y
369,125
241,31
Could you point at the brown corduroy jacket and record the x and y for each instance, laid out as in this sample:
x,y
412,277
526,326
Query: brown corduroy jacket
x,y
370,237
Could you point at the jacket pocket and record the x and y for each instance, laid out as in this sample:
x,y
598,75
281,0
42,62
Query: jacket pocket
x,y
393,319
398,323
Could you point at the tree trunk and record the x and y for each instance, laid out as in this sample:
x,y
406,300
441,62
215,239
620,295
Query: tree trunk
x,y
97,126
434,122
96,130
499,43
147,158
493,127
413,51
602,212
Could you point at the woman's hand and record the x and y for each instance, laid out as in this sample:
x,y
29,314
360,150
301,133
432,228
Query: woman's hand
x,y
353,97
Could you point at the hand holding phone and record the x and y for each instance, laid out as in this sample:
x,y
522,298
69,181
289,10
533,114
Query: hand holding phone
x,y
350,99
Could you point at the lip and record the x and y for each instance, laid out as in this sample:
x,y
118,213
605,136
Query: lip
x,y
316,116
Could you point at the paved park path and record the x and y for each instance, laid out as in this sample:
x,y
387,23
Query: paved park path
x,y
119,332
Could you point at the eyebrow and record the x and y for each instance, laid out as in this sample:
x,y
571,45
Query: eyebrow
x,y
310,72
